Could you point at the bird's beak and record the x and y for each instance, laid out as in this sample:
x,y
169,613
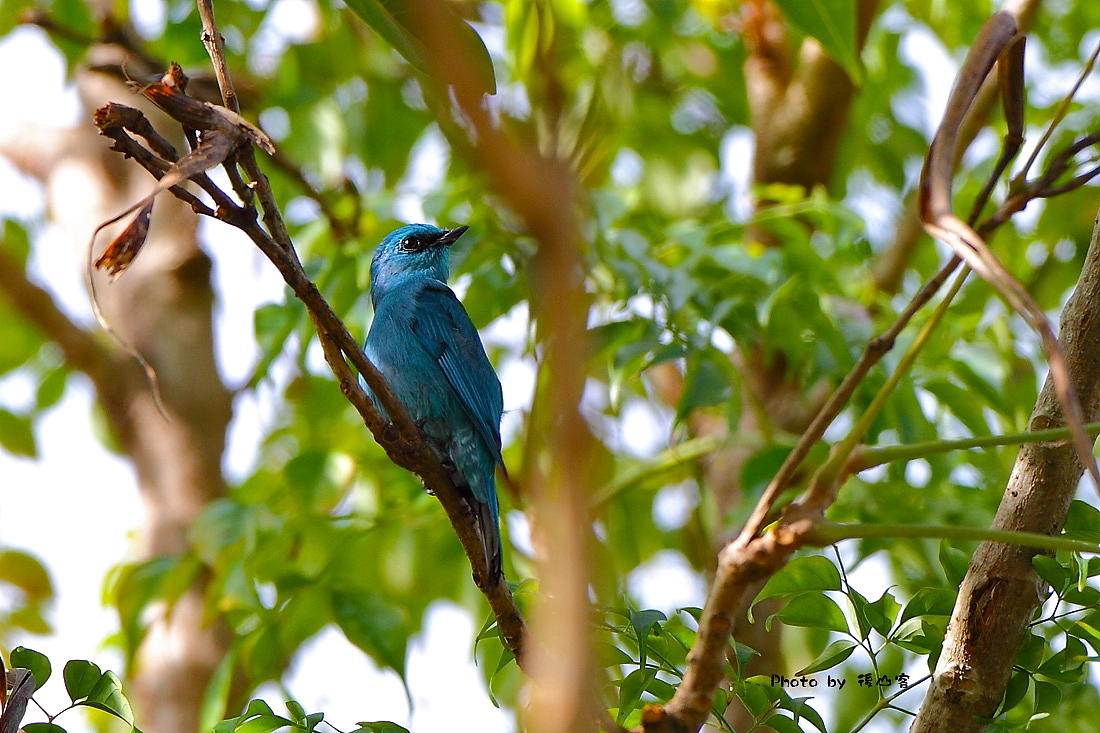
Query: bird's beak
x,y
450,236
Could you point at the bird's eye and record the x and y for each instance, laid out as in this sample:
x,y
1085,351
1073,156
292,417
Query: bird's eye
x,y
410,244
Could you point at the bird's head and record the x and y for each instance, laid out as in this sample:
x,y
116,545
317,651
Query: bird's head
x,y
413,248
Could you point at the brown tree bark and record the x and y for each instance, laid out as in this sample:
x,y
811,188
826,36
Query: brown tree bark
x,y
1001,590
163,308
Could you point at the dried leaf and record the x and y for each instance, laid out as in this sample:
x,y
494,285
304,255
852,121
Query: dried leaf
x,y
22,687
194,113
126,246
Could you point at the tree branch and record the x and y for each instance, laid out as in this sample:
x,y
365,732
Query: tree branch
x,y
1000,589
81,350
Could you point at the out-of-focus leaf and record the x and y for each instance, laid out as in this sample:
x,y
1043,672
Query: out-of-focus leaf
x,y
392,19
51,388
17,434
374,626
833,23
13,237
25,572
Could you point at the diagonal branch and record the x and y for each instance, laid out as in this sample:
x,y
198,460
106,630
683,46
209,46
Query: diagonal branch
x,y
81,350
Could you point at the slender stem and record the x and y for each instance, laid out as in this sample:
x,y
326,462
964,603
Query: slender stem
x,y
886,702
215,48
827,533
865,458
1059,114
823,484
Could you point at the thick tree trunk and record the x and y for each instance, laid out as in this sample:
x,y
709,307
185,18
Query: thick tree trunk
x,y
1001,590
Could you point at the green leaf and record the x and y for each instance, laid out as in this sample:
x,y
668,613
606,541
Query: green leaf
x,y
857,607
51,388
36,662
610,655
814,610
961,403
1047,697
14,238
782,724
753,695
26,573
297,712
1017,687
217,694
761,467
373,625
929,602
81,677
882,613
257,707
393,20
1051,571
17,434
643,622
631,689
801,574
107,696
506,658
705,385
954,563
742,654
1082,522
833,655
801,709
228,725
263,724
382,726
42,728
833,23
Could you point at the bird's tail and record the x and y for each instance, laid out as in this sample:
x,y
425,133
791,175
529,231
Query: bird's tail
x,y
490,541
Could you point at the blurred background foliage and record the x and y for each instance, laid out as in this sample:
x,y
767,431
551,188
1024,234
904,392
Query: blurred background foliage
x,y
648,102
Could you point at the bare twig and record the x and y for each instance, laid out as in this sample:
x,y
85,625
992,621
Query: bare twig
x,y
998,40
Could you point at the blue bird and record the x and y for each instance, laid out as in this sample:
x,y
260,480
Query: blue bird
x,y
423,342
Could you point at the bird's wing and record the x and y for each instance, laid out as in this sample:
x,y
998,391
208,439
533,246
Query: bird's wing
x,y
445,331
